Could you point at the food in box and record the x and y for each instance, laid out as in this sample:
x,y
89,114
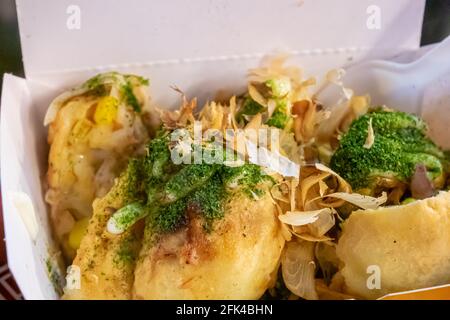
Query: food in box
x,y
158,228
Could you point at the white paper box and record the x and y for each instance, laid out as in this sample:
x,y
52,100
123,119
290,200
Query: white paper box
x,y
201,47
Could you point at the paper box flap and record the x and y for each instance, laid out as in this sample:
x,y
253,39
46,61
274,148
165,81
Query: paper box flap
x,y
64,35
28,241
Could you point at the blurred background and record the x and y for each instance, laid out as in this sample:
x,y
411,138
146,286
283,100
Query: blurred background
x,y
10,55
436,26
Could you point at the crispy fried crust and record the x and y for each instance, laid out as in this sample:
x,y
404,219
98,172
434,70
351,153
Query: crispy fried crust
x,y
106,262
85,157
235,261
409,243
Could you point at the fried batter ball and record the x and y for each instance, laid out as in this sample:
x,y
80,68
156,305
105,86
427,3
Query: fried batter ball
x,y
238,259
93,130
408,244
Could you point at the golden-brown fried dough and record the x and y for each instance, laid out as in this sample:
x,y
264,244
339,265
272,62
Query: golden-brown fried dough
x,y
106,262
93,130
409,243
235,261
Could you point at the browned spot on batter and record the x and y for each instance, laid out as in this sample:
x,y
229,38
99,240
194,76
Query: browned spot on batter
x,y
189,244
197,245
170,245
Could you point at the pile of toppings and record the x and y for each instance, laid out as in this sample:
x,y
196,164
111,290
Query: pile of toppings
x,y
165,193
400,153
375,157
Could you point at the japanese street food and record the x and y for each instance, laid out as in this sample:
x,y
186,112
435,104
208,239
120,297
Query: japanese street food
x,y
405,242
292,189
93,130
187,231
